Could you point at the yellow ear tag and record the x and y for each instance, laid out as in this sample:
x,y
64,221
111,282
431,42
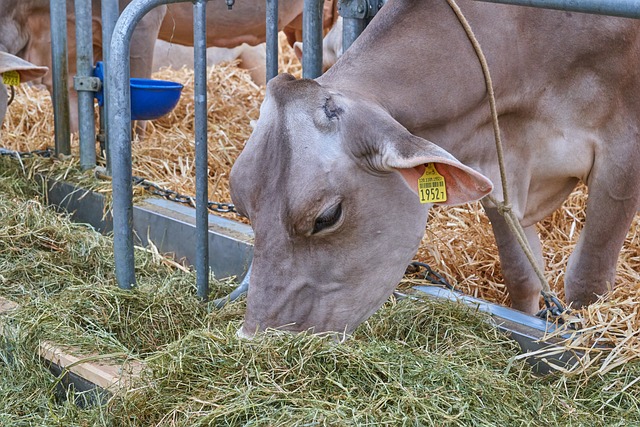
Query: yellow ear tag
x,y
11,78
431,186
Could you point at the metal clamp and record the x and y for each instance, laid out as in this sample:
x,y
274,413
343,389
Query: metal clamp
x,y
86,84
359,9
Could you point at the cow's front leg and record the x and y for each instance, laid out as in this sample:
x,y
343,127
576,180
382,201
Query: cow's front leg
x,y
520,278
611,207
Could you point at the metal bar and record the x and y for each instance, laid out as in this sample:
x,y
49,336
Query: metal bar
x,y
272,39
84,52
109,12
528,331
356,14
239,291
621,8
60,70
119,125
201,152
351,29
312,39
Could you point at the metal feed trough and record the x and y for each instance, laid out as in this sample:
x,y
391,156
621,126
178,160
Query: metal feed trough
x,y
221,244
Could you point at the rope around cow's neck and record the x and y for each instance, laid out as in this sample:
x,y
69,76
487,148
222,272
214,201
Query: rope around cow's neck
x,y
504,207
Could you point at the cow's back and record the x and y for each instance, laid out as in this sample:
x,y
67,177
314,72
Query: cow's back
x,y
527,49
245,23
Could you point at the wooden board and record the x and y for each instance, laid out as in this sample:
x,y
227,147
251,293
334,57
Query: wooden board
x,y
94,368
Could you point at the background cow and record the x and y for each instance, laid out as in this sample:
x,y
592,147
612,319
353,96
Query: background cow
x,y
329,177
250,58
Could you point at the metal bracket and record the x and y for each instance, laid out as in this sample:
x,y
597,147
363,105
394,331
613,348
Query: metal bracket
x,y
86,84
359,9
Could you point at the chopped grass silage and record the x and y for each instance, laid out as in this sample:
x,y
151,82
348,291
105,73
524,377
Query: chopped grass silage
x,y
443,365
412,363
64,273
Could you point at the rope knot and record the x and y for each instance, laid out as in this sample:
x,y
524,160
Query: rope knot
x,y
504,208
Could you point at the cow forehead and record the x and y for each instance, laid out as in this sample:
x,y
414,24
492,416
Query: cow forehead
x,y
293,155
294,119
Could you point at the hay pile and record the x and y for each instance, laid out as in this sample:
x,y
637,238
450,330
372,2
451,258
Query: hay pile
x,y
413,363
458,243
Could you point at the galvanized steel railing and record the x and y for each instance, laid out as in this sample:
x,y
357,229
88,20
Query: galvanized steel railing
x,y
119,121
82,83
119,125
60,70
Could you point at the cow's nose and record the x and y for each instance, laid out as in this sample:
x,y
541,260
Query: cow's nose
x,y
242,334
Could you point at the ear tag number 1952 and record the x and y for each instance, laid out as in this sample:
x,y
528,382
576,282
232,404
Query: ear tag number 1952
x,y
11,78
431,186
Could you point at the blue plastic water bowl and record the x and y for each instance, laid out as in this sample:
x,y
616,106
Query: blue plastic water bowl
x,y
150,99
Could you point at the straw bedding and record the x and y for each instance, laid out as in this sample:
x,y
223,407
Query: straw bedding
x,y
458,242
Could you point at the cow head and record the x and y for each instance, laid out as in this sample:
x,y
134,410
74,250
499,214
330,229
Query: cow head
x,y
329,183
14,66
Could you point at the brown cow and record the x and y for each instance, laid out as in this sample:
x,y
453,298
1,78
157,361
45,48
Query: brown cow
x,y
251,58
329,177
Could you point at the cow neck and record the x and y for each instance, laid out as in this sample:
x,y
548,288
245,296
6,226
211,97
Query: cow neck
x,y
384,65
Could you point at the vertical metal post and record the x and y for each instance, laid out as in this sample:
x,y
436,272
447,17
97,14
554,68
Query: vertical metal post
x,y
272,39
201,152
109,12
351,29
119,125
355,17
312,38
84,52
60,72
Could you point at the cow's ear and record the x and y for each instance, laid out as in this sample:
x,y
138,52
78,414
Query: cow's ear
x,y
419,160
375,138
26,70
297,49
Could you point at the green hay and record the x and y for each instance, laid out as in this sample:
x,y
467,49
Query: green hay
x,y
307,380
413,363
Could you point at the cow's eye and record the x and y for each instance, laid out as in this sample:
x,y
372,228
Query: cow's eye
x,y
328,218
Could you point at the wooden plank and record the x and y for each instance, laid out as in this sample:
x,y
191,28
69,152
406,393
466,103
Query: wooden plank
x,y
94,368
